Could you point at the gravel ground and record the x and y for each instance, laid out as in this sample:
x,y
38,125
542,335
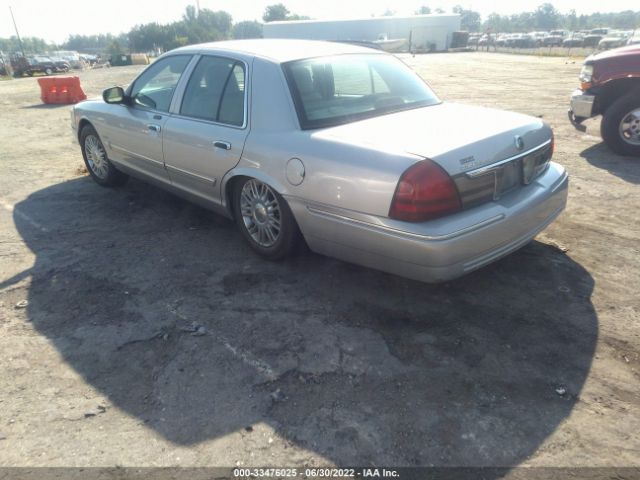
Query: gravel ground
x,y
531,361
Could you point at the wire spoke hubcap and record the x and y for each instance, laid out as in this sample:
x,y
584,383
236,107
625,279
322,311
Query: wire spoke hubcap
x,y
630,127
96,156
260,212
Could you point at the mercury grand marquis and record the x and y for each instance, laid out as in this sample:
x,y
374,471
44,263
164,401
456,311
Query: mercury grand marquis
x,y
340,146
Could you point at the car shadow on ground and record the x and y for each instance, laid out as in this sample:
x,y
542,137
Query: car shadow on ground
x,y
627,168
357,365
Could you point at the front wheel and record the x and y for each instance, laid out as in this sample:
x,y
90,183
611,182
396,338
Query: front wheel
x,y
264,219
48,71
620,127
96,160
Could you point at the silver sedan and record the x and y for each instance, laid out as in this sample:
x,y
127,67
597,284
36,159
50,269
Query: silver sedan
x,y
340,146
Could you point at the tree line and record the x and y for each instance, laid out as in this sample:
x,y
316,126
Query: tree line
x,y
546,17
204,25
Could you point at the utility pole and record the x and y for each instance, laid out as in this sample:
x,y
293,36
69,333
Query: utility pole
x,y
198,6
17,34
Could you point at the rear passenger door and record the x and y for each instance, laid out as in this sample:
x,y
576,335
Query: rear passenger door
x,y
204,138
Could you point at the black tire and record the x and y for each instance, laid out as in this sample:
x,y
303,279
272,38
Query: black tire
x,y
105,174
614,116
287,239
48,71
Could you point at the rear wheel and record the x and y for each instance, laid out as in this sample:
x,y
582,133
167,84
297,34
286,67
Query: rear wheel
x,y
96,160
48,71
264,219
620,127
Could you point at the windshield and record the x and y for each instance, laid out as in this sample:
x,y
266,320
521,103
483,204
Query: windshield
x,y
345,88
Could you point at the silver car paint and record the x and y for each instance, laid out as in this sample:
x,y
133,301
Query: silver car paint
x,y
441,249
352,170
447,133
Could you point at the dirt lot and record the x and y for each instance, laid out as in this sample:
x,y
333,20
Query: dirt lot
x,y
531,361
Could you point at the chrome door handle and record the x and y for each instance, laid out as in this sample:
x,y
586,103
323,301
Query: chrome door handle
x,y
154,128
221,144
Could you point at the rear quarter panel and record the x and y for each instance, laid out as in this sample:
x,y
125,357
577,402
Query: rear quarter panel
x,y
337,173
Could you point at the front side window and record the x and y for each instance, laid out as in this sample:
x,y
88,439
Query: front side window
x,y
154,88
340,89
215,91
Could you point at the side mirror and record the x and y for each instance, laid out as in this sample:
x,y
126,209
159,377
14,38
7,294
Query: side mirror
x,y
114,95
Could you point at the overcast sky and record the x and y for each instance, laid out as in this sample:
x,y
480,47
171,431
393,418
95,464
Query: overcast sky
x,y
54,20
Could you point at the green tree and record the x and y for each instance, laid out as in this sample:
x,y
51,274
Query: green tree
x,y
494,22
546,17
571,20
274,13
150,37
423,10
114,48
469,19
247,29
627,20
85,43
31,45
190,14
218,24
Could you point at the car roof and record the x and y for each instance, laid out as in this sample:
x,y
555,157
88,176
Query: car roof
x,y
278,50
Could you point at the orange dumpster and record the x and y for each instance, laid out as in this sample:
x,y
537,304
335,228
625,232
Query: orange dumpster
x,y
61,90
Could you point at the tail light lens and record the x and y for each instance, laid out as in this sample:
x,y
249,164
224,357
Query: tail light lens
x,y
425,191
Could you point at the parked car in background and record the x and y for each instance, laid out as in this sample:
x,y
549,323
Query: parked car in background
x,y
31,65
60,64
70,56
634,39
538,37
474,38
486,40
613,39
327,141
591,40
574,40
610,86
522,40
501,40
555,38
88,59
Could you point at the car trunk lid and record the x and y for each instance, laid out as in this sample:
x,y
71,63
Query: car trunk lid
x,y
482,149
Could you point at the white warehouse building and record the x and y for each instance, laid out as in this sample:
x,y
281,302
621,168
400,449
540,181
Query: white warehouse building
x,y
422,32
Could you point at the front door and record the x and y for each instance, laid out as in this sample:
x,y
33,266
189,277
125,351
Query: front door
x,y
134,132
204,140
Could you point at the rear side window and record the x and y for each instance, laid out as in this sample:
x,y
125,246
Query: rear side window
x,y
345,88
215,91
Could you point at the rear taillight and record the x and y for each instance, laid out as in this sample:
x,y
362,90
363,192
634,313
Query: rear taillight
x,y
425,191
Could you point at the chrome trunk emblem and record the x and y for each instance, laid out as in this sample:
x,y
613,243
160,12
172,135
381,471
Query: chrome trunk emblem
x,y
519,142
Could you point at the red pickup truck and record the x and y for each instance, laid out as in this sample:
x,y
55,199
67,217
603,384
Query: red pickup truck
x,y
610,86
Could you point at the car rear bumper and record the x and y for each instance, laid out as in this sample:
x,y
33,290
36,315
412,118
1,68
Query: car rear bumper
x,y
441,249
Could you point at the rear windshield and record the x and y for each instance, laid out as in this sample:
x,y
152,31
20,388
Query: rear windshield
x,y
345,88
